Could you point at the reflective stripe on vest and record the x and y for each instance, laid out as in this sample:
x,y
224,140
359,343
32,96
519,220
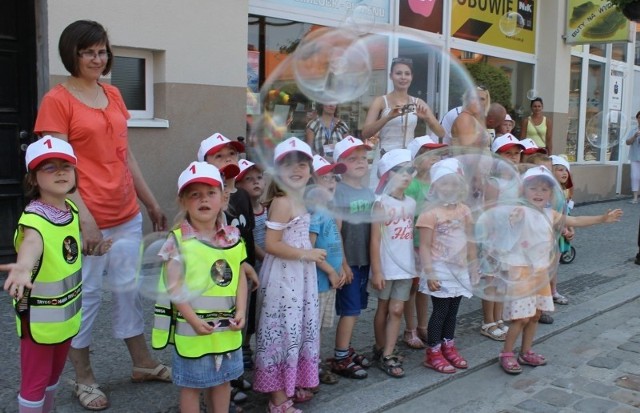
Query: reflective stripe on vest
x,y
57,288
216,303
55,302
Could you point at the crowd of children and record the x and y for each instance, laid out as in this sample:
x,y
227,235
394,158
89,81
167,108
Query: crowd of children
x,y
279,265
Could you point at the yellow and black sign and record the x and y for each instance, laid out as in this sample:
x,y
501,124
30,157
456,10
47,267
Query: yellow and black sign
x,y
504,23
595,21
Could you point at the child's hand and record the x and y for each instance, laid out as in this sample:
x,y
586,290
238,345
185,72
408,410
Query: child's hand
x,y
377,281
201,327
103,247
434,285
346,275
569,233
314,255
19,278
612,216
335,280
248,271
516,216
237,323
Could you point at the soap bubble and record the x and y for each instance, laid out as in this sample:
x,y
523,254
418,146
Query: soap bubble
x,y
605,129
161,275
511,23
532,94
337,66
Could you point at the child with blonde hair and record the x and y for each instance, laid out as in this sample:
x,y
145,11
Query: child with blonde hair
x,y
202,257
287,337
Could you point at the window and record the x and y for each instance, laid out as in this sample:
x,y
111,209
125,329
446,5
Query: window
x,y
132,74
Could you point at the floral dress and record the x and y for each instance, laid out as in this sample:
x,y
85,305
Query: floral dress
x,y
287,337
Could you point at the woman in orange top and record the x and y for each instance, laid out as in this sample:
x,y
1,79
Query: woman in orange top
x,y
92,117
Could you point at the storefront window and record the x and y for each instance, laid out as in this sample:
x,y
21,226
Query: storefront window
x,y
619,51
574,108
595,100
598,49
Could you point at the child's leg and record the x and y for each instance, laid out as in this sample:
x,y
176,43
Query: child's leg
x,y
59,359
422,311
344,332
380,323
410,335
395,310
515,328
36,366
529,332
189,400
436,321
449,325
219,398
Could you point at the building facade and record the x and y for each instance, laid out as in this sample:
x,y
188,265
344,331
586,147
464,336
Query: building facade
x,y
188,69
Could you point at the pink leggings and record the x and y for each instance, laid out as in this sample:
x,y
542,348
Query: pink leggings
x,y
41,364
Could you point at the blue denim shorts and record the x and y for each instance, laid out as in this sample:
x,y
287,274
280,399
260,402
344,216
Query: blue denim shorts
x,y
352,298
201,373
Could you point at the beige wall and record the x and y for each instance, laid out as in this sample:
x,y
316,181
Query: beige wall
x,y
204,41
593,182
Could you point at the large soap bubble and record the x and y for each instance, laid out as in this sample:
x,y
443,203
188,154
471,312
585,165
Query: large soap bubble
x,y
348,69
605,129
161,275
518,239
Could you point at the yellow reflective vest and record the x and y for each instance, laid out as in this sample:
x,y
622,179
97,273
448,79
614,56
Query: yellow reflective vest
x,y
54,303
211,281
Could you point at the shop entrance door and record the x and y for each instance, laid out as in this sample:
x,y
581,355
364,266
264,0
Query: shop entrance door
x,y
17,109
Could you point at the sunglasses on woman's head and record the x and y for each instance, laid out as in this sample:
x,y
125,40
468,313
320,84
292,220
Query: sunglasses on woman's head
x,y
403,60
482,88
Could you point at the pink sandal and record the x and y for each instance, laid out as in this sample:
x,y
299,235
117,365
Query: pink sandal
x,y
302,395
509,363
532,359
285,407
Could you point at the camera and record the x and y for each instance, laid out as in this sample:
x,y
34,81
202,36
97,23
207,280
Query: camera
x,y
408,108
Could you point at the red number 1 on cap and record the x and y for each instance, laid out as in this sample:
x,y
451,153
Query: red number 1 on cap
x,y
193,169
48,143
292,143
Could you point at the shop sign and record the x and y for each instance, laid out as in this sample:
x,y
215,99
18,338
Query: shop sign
x,y
615,90
423,15
509,24
595,21
376,11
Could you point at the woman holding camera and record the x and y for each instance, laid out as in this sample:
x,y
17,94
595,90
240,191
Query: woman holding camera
x,y
395,115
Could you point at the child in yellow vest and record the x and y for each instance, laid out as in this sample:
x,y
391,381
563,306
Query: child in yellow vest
x,y
46,282
208,294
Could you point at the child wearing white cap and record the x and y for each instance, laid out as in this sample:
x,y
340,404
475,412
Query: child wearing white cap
x,y
424,152
392,260
287,336
445,253
48,266
325,234
224,154
502,186
562,172
353,201
207,332
524,312
508,124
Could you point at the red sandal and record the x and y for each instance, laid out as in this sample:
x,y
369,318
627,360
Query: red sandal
x,y
450,352
532,359
509,363
435,360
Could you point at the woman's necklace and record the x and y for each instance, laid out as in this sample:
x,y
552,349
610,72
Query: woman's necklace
x,y
80,95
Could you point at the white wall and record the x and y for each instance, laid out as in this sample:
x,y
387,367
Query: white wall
x,y
204,41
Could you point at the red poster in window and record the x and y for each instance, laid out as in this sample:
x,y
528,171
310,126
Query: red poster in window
x,y
423,15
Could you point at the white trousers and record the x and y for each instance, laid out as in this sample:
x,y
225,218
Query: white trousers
x,y
117,269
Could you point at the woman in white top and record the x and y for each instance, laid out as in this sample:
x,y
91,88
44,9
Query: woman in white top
x,y
395,115
633,140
